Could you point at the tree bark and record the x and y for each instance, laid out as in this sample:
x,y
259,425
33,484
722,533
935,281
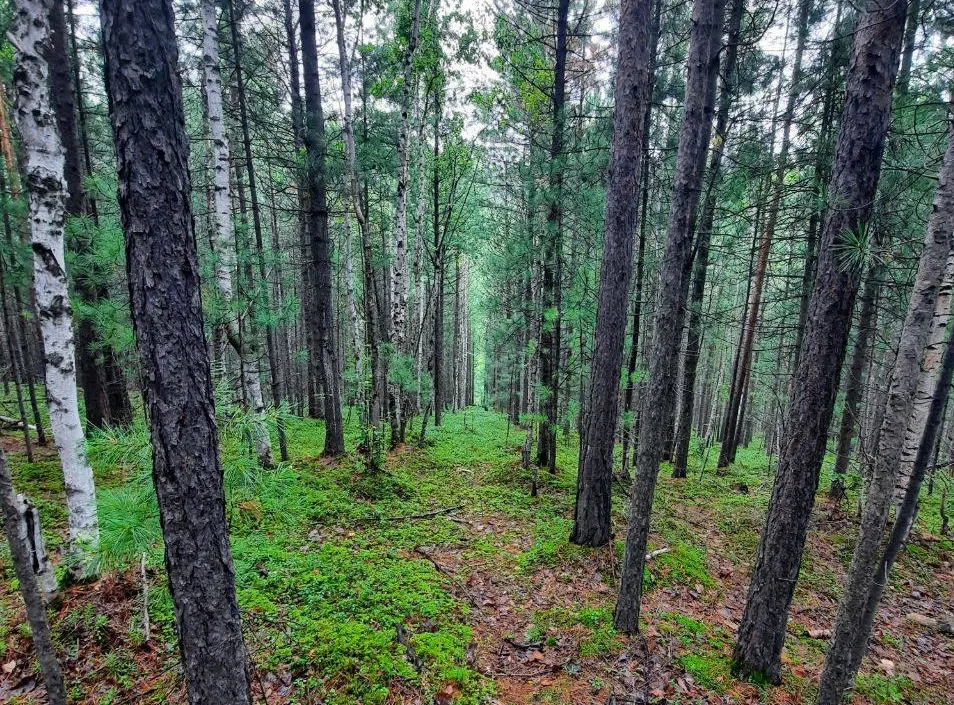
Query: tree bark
x,y
660,397
327,364
871,75
164,285
843,658
592,514
47,192
224,238
703,241
23,567
854,387
927,382
104,389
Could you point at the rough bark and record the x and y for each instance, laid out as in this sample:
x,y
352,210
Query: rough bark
x,y
873,67
842,659
47,191
703,241
327,362
592,514
24,568
660,397
152,150
104,389
854,387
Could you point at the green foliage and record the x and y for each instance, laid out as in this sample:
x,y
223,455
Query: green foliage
x,y
882,689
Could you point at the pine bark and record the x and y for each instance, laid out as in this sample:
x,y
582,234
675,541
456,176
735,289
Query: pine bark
x,y
327,363
843,658
592,513
865,117
164,285
704,240
104,389
47,192
660,397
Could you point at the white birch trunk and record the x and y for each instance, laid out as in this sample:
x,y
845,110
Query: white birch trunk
x,y
357,332
223,238
28,527
927,384
400,274
47,192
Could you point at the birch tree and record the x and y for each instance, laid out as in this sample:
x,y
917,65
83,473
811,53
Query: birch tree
x,y
224,237
46,188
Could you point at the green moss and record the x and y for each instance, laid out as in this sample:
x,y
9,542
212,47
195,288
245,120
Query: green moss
x,y
884,689
709,671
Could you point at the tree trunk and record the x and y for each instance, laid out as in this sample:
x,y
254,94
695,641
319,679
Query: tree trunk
x,y
552,246
704,239
224,238
47,192
262,436
327,364
927,383
23,567
101,393
592,514
854,387
874,65
659,400
164,286
844,656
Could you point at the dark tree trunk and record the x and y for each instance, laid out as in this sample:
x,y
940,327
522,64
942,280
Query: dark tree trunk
x,y
854,387
29,589
873,68
96,371
703,241
592,516
327,362
552,254
164,287
659,400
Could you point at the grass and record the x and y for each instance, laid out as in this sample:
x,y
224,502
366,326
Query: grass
x,y
336,595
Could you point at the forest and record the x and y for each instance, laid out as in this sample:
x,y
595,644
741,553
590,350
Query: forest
x,y
501,352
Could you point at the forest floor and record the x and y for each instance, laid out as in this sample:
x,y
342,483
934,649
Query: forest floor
x,y
440,580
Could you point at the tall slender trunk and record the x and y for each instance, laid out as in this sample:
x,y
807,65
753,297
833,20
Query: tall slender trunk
x,y
438,353
659,400
854,387
164,289
224,238
552,252
874,65
327,364
94,368
915,348
704,239
47,192
592,513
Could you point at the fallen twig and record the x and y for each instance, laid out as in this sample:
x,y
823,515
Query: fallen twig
x,y
657,552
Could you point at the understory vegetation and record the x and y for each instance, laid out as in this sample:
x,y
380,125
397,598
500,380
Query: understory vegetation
x,y
437,578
